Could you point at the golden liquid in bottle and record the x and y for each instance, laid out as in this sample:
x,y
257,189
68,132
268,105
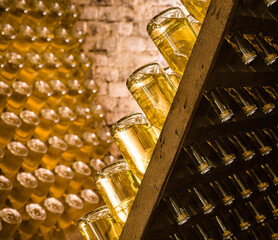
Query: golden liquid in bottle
x,y
99,224
41,92
37,12
59,91
63,175
101,149
5,93
44,37
72,16
85,65
55,15
25,184
33,218
56,146
21,92
45,179
90,142
154,94
23,41
73,207
173,77
5,189
74,143
83,116
98,116
17,12
8,124
51,64
136,140
11,220
33,63
174,39
74,93
61,42
13,158
36,150
29,121
48,119
90,91
67,116
198,8
68,66
91,200
8,34
13,64
54,209
81,173
118,187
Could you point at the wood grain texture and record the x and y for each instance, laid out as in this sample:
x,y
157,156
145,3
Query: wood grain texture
x,y
180,118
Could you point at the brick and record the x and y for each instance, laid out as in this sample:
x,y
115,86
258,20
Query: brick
x,y
133,44
118,89
125,28
89,13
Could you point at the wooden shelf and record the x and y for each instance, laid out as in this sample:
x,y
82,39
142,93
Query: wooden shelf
x,y
212,64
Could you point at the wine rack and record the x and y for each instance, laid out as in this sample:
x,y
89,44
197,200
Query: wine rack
x,y
213,64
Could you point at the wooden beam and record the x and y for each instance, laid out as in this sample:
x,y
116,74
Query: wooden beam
x,y
180,117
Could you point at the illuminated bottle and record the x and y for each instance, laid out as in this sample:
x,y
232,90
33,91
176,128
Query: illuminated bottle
x,y
6,187
59,91
5,93
11,220
8,34
36,151
24,186
198,8
136,140
13,158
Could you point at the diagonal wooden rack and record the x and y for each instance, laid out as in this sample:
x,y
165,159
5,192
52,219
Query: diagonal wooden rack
x,y
204,71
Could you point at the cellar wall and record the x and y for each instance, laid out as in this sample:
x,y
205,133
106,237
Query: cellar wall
x,y
118,43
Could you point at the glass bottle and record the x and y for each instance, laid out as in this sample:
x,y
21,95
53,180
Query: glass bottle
x,y
11,220
13,158
13,63
21,93
54,209
32,219
44,38
217,102
8,34
9,122
136,140
73,206
5,93
242,47
242,98
6,187
33,63
74,143
118,187
258,138
41,92
198,8
199,159
59,91
153,91
90,200
56,146
99,224
179,213
36,150
85,65
29,121
63,175
98,113
45,179
241,185
48,119
172,34
22,190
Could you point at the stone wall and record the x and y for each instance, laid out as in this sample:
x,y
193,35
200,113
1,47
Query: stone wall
x,y
118,43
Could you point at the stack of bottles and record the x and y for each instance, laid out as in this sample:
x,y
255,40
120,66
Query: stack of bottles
x,y
174,33
52,140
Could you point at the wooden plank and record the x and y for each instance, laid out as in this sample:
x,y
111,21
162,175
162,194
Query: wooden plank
x,y
179,119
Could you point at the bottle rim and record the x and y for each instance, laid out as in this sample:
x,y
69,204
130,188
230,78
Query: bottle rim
x,y
50,114
44,175
10,215
176,11
5,183
11,119
29,117
35,211
137,76
18,149
74,201
129,120
53,205
37,146
113,168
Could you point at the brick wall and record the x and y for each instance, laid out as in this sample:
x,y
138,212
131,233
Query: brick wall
x,y
118,43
